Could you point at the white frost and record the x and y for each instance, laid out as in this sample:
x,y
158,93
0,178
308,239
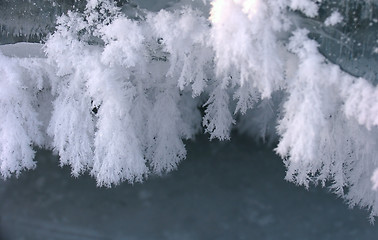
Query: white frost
x,y
334,19
117,97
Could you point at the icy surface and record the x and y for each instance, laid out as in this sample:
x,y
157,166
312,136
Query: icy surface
x,y
231,190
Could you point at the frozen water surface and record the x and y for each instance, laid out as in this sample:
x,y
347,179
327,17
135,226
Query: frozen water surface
x,y
227,190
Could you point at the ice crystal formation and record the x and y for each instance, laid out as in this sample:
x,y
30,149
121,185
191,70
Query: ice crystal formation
x,y
119,88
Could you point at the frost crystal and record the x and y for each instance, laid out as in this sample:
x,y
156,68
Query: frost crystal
x,y
116,95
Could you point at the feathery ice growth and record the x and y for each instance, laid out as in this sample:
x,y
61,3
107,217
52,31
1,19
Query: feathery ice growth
x,y
117,94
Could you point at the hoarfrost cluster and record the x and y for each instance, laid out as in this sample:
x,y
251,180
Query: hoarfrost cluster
x,y
116,94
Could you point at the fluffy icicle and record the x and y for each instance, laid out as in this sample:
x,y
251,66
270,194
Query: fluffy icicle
x,y
20,126
166,148
218,119
244,45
